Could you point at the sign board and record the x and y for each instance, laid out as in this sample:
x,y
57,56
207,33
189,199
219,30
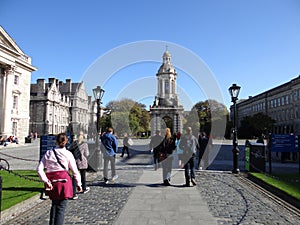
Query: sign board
x,y
247,158
255,157
284,143
46,142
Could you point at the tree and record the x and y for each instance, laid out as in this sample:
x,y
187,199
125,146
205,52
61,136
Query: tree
x,y
208,116
128,116
255,126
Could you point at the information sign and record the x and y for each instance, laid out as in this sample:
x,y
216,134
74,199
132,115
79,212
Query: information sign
x,y
284,143
46,142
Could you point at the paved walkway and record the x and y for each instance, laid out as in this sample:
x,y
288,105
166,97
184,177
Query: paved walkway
x,y
152,203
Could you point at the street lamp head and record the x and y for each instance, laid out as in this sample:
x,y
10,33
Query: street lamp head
x,y
98,93
234,91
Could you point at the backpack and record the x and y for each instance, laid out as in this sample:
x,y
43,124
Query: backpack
x,y
74,148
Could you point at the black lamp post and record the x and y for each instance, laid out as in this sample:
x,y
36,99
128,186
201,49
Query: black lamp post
x,y
234,91
98,94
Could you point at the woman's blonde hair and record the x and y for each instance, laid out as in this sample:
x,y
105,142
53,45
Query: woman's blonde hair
x,y
80,137
168,133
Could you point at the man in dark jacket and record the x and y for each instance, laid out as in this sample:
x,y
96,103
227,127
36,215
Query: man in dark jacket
x,y
110,146
202,141
155,145
189,144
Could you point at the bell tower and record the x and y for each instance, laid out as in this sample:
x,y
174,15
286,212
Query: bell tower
x,y
166,111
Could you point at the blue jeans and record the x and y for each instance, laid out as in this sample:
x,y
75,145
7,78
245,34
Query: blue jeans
x,y
57,212
189,172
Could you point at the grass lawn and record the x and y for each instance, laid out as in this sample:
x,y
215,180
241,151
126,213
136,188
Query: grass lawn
x,y
289,183
16,189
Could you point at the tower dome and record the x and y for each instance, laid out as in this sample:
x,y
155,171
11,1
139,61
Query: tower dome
x,y
166,66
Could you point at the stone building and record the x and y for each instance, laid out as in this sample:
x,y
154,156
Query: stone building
x,y
79,109
15,76
166,110
281,103
58,107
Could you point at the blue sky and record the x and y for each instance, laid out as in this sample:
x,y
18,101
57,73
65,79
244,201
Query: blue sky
x,y
254,43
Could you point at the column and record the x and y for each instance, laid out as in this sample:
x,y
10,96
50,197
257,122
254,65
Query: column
x,y
2,98
7,100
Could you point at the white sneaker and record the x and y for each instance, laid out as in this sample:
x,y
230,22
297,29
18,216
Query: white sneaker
x,y
86,190
115,177
106,181
75,197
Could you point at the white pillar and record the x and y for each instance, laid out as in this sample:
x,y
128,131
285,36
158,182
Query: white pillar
x,y
7,101
2,98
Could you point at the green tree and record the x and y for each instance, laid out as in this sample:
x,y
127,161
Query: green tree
x,y
255,125
206,114
128,116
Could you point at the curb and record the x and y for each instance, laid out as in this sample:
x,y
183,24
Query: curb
x,y
277,192
21,207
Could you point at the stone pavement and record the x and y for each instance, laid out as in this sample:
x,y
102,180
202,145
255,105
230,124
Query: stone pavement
x,y
138,197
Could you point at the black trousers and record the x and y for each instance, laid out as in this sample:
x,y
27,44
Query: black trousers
x,y
125,148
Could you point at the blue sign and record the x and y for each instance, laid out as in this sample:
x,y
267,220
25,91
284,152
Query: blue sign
x,y
46,142
284,143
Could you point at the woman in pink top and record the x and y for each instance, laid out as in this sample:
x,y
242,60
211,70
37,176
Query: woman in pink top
x,y
57,162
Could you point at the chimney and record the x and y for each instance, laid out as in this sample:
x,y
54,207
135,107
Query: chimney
x,y
51,80
68,85
40,86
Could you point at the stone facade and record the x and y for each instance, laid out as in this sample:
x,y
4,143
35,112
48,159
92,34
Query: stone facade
x,y
281,103
79,105
166,111
58,107
15,76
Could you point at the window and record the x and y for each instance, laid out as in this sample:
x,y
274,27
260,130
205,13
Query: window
x,y
16,80
14,128
295,95
167,87
15,102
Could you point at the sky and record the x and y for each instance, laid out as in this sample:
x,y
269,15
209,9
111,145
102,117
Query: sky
x,y
119,44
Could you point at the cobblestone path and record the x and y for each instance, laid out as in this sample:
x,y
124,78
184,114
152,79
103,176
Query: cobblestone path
x,y
99,206
233,202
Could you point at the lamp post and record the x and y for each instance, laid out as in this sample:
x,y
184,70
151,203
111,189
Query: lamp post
x,y
98,94
234,91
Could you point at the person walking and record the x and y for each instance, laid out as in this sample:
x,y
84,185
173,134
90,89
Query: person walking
x,y
179,150
166,157
202,143
80,151
189,144
155,147
58,183
109,146
125,145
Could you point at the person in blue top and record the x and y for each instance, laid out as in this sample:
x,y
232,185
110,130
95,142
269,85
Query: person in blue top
x,y
109,148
